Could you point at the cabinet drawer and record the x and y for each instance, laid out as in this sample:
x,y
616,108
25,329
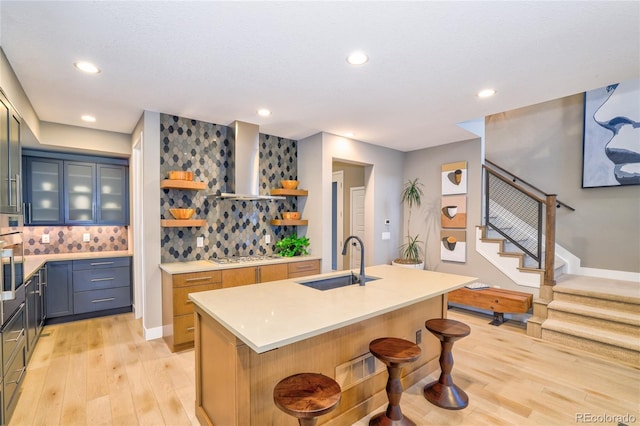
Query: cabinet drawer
x,y
181,303
109,262
307,267
98,300
13,336
197,278
13,377
98,279
183,329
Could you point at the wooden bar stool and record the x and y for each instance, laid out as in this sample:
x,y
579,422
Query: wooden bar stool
x,y
393,352
307,396
444,393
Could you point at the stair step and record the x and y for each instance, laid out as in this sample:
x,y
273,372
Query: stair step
x,y
597,317
603,343
623,296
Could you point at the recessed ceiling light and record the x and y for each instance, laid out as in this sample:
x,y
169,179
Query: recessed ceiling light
x,y
263,112
357,58
486,93
88,118
87,67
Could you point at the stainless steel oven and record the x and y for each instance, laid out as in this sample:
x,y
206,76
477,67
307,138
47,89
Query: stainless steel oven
x,y
12,261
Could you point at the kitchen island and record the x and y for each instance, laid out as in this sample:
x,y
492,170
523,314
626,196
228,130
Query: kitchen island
x,y
249,338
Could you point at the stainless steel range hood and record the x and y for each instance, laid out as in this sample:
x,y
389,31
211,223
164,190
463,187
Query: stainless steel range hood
x,y
244,176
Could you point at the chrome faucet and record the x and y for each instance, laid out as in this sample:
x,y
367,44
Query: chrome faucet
x,y
361,278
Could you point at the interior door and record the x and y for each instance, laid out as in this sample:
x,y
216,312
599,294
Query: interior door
x,y
357,222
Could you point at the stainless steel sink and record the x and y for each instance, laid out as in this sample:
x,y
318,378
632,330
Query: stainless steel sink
x,y
335,282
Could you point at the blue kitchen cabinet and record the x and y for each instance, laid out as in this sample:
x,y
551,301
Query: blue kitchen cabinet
x,y
73,189
59,295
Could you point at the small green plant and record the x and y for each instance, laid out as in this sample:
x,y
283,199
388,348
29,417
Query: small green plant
x,y
411,252
292,246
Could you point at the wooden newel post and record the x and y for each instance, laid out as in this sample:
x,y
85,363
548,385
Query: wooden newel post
x,y
550,241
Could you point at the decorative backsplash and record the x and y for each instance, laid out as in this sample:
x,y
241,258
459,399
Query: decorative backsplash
x,y
233,227
68,239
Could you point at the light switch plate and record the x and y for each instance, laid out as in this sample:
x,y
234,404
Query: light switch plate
x,y
386,235
200,242
267,239
45,238
86,237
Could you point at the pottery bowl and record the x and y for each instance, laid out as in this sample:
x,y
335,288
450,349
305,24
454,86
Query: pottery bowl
x,y
180,175
182,213
291,215
289,184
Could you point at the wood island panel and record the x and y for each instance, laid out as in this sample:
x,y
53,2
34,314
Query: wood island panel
x,y
234,384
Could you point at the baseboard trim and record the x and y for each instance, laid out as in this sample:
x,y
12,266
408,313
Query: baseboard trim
x,y
152,333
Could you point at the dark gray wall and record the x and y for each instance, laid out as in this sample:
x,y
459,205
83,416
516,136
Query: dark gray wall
x,y
543,145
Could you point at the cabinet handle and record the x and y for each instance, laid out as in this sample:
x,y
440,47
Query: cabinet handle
x,y
190,328
101,263
108,299
189,280
20,332
22,370
190,301
94,280
305,267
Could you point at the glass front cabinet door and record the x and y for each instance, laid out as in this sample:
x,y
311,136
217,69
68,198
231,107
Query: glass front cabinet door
x,y
43,195
112,193
79,179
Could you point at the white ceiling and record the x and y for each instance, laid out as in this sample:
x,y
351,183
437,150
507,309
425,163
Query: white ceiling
x,y
221,61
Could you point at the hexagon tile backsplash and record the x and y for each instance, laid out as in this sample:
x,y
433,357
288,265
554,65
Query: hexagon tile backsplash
x,y
68,239
233,227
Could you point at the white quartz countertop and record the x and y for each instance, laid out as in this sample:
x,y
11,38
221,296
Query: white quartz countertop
x,y
208,265
33,262
270,315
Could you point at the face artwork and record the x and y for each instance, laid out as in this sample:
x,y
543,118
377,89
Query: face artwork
x,y
623,149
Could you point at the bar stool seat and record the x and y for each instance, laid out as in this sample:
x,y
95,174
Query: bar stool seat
x,y
394,353
444,393
307,396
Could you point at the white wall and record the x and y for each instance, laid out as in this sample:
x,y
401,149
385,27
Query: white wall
x,y
55,136
149,124
383,181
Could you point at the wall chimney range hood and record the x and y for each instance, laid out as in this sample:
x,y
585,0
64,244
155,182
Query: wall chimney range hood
x,y
244,176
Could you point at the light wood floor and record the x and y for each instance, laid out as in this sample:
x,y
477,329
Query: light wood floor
x,y
102,371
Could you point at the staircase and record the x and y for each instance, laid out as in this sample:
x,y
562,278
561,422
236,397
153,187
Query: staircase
x,y
597,315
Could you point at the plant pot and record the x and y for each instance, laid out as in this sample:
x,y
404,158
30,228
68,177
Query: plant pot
x,y
403,263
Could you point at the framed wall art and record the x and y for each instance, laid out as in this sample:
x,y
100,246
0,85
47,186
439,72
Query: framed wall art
x,y
611,145
454,178
453,211
453,245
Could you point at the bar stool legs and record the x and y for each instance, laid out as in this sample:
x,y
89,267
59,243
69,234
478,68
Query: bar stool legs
x,y
444,393
307,396
394,353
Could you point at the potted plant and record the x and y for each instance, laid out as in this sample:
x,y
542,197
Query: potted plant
x,y
292,246
411,250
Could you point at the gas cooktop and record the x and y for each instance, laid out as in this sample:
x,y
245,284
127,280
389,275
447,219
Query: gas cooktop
x,y
243,259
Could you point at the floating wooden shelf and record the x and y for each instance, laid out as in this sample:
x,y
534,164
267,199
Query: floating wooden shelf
x,y
172,223
182,184
293,192
282,222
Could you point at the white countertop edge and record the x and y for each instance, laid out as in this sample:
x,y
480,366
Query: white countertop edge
x,y
187,267
334,326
